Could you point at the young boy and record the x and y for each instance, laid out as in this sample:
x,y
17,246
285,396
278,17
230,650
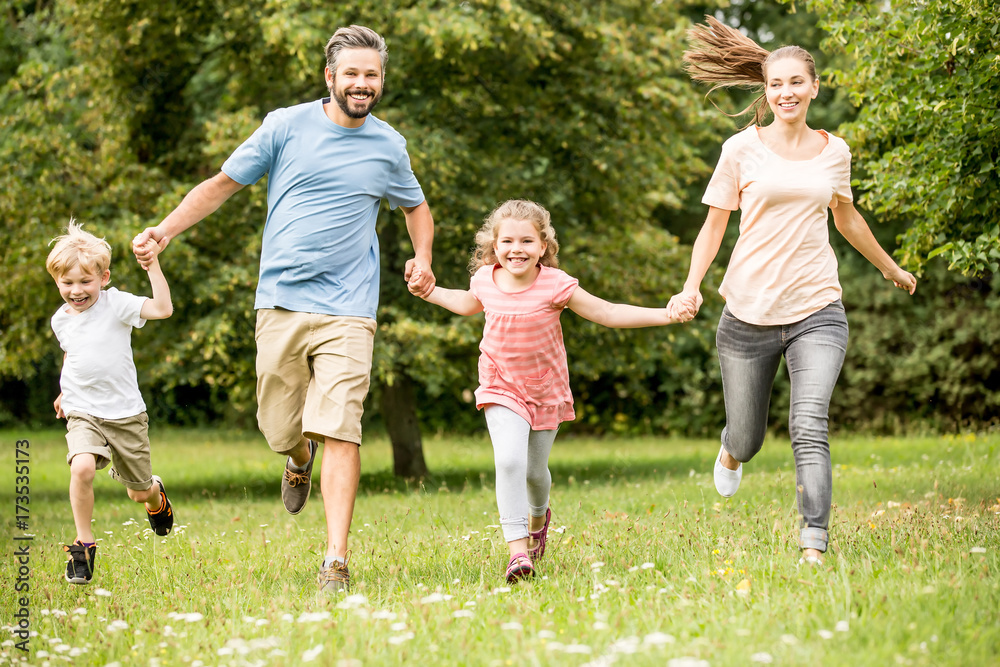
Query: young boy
x,y
100,400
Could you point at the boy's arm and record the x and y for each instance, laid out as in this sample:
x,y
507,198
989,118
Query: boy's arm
x,y
458,301
619,315
159,306
57,404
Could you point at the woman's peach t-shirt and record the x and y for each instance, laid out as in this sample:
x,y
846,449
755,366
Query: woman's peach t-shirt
x,y
782,268
522,365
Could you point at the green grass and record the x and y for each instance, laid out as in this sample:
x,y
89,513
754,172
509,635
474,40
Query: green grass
x,y
649,565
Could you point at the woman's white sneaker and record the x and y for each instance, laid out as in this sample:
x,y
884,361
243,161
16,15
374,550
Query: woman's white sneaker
x,y
727,481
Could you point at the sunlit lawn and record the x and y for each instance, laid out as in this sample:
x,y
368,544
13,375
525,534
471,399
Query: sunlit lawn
x,y
647,564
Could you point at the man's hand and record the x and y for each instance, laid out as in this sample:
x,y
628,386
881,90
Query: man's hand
x,y
142,249
419,278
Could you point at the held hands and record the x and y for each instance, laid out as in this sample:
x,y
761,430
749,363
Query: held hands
x,y
149,250
902,279
684,306
149,243
419,279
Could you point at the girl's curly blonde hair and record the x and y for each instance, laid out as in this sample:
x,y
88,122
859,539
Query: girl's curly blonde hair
x,y
514,209
78,248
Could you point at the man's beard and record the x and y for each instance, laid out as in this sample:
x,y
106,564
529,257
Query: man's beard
x,y
343,101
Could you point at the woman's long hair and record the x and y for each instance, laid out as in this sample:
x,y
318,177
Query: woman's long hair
x,y
726,58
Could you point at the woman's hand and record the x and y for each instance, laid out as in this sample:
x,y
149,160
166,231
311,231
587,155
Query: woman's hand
x,y
902,279
684,306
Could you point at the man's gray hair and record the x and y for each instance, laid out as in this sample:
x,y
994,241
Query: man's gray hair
x,y
355,37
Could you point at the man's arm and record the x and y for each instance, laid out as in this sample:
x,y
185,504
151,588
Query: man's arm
x,y
420,226
203,200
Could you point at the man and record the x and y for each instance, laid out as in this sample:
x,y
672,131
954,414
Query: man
x,y
329,164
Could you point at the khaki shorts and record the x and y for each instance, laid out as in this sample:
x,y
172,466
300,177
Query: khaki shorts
x,y
313,373
122,442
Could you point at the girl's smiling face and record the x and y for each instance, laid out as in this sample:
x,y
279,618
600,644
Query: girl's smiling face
x,y
790,88
519,248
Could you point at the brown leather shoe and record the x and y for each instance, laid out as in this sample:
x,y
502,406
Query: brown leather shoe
x,y
336,578
295,486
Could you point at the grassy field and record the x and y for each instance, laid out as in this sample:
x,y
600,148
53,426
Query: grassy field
x,y
647,564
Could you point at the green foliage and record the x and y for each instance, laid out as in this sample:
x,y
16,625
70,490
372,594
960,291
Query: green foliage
x,y
930,362
57,159
111,111
927,138
640,380
933,359
564,105
71,149
567,106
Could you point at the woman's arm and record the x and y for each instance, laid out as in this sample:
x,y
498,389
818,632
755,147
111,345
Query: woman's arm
x,y
706,247
854,228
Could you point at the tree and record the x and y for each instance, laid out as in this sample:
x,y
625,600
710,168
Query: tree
x,y
926,76
569,106
581,107
566,105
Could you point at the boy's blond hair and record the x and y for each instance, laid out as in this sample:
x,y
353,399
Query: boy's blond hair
x,y
77,247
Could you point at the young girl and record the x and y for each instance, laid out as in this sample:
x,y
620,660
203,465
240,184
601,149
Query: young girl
x,y
781,287
523,376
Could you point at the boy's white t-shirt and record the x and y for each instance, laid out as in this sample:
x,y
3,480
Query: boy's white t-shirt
x,y
98,375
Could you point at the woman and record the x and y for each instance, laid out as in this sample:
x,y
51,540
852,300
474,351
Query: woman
x,y
781,287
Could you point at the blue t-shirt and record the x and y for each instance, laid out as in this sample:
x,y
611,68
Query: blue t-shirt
x,y
320,252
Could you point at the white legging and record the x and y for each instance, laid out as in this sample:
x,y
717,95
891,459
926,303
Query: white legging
x,y
521,456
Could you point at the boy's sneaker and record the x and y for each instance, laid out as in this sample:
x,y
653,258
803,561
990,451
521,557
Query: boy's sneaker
x,y
519,567
295,486
162,521
80,568
335,578
538,538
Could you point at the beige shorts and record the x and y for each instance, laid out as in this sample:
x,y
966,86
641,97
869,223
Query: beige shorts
x,y
122,442
313,373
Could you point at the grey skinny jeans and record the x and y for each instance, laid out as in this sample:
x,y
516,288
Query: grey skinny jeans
x,y
814,350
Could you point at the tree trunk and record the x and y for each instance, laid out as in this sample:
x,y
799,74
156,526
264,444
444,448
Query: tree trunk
x,y
400,415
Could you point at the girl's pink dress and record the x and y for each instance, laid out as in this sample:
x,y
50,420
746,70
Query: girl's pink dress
x,y
522,365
